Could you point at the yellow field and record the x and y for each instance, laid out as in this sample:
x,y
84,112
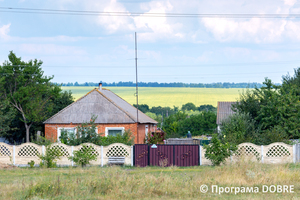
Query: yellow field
x,y
162,96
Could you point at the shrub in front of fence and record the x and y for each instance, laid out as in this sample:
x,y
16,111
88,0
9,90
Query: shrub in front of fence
x,y
217,152
50,157
84,156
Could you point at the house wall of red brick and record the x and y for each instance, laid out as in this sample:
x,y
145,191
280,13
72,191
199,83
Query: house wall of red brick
x,y
51,130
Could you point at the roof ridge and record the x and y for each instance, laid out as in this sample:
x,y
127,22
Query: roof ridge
x,y
116,104
130,105
70,105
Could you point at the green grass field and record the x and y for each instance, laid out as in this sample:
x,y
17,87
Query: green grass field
x,y
149,182
155,96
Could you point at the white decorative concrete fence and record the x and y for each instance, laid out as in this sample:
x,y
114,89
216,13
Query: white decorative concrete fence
x,y
276,153
22,154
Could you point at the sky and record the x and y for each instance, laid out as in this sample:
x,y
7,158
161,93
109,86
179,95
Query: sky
x,y
93,48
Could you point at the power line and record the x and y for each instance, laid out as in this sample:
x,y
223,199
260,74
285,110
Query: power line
x,y
163,75
141,14
166,66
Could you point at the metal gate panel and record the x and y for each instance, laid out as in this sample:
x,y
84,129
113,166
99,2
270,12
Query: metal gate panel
x,y
141,155
162,155
186,155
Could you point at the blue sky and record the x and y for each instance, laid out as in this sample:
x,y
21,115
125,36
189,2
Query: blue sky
x,y
170,49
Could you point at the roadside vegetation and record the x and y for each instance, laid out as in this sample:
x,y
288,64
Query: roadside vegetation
x,y
147,183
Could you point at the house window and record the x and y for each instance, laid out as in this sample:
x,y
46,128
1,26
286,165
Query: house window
x,y
113,131
70,131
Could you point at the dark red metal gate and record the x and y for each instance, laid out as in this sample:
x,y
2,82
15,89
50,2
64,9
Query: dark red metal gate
x,y
162,155
141,155
186,155
166,155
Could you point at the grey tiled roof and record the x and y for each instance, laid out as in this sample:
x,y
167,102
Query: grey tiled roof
x,y
224,111
107,106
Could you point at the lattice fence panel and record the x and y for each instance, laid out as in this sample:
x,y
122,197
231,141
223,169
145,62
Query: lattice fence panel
x,y
247,151
28,150
117,151
4,151
278,151
63,151
85,147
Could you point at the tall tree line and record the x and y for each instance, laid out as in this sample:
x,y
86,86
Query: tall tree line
x,y
175,84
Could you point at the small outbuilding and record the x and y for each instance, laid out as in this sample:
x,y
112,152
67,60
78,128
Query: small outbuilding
x,y
114,116
223,112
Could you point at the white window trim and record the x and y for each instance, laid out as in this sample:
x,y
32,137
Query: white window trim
x,y
66,128
114,128
147,130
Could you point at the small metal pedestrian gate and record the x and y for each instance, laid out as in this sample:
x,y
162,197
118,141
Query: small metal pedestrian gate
x,y
166,155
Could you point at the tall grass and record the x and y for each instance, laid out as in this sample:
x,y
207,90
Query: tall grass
x,y
146,183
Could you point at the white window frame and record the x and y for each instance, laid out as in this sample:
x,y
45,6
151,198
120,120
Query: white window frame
x,y
114,128
66,128
147,130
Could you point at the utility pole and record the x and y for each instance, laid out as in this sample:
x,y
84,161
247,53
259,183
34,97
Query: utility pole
x,y
137,92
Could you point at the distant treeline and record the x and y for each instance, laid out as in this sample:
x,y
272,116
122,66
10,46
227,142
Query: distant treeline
x,y
155,84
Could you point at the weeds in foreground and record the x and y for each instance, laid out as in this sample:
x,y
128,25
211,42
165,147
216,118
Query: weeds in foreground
x,y
149,182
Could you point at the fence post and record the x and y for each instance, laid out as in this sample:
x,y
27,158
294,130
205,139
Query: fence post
x,y
72,155
262,153
294,153
132,155
14,155
101,156
200,155
43,150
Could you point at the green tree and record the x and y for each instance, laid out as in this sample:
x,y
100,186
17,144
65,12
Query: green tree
x,y
6,116
171,124
143,107
207,108
217,152
188,106
201,124
25,87
239,128
273,108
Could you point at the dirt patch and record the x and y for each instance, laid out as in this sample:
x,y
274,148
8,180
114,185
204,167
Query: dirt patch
x,y
6,166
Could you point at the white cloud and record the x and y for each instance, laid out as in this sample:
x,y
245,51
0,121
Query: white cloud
x,y
254,30
290,2
4,30
115,23
153,28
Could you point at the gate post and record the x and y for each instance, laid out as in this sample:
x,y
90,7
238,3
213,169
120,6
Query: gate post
x,y
14,155
72,148
101,156
294,153
132,153
200,155
262,153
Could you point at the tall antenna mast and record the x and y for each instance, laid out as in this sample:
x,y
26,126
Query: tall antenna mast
x,y
137,92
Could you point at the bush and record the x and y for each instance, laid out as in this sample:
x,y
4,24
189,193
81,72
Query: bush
x,y
31,164
217,152
51,155
238,128
86,133
155,137
83,156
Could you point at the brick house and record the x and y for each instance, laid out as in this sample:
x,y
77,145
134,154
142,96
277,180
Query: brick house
x,y
114,116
